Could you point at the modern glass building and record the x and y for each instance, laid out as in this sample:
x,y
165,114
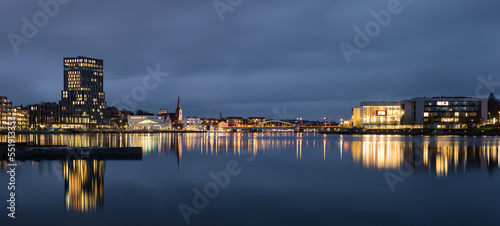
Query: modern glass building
x,y
449,112
424,112
382,114
82,102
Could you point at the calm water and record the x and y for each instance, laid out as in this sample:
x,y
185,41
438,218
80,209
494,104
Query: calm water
x,y
273,179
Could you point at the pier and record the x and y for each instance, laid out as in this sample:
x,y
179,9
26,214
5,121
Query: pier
x,y
36,153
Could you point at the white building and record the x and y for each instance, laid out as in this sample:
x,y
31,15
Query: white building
x,y
192,124
146,122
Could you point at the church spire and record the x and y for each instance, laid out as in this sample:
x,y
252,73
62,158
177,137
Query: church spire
x,y
178,111
178,102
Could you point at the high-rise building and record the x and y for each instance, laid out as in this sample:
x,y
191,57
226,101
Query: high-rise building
x,y
82,102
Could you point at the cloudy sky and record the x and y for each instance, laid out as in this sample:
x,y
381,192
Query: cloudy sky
x,y
249,58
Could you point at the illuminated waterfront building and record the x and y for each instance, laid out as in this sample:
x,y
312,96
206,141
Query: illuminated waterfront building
x,y
82,102
146,122
449,112
255,120
7,110
424,112
235,121
193,124
383,114
209,121
43,115
356,120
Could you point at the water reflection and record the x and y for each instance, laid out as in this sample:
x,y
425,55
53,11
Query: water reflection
x,y
3,165
441,155
84,185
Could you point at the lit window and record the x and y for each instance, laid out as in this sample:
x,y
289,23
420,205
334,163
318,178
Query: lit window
x,y
426,114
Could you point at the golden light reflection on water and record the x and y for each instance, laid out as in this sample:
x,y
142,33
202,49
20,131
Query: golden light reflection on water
x,y
84,185
3,165
441,155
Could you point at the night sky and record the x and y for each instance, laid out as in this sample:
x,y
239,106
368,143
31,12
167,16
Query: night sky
x,y
263,55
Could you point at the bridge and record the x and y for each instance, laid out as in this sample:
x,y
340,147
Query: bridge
x,y
276,125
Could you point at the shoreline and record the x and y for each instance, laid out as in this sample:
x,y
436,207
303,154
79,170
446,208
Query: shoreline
x,y
405,132
417,132
4,132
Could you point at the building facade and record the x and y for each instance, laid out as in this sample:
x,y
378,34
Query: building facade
x,y
146,122
356,117
8,111
5,112
449,112
43,115
176,117
382,114
424,112
193,124
82,102
235,121
255,120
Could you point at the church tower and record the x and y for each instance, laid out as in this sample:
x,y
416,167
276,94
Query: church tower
x,y
178,110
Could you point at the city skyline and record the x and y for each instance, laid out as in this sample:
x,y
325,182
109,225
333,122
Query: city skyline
x,y
239,112
299,65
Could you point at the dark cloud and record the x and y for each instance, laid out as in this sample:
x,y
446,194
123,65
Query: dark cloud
x,y
264,55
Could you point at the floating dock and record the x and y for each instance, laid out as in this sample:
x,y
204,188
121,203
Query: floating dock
x,y
35,153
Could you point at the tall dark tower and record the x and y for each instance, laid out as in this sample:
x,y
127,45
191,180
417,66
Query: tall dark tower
x,y
178,110
82,100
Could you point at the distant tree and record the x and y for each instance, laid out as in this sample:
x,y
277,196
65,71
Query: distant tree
x,y
113,112
141,112
493,106
126,112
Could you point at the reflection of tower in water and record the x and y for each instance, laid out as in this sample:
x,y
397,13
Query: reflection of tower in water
x,y
176,144
84,185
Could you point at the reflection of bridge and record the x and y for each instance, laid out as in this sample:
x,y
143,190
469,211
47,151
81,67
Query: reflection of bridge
x,y
275,125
